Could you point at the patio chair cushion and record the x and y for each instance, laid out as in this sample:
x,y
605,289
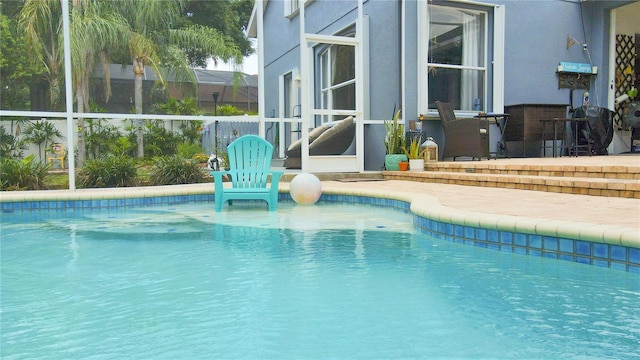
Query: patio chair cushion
x,y
336,140
330,140
295,147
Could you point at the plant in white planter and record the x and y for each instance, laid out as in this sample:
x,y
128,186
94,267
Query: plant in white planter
x,y
415,153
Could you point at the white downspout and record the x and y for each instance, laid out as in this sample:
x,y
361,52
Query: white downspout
x,y
423,74
260,34
498,58
304,89
403,59
360,89
611,94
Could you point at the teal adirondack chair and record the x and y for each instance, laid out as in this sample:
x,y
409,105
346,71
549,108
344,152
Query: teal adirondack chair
x,y
250,167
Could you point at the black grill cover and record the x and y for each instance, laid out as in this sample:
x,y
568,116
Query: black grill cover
x,y
600,122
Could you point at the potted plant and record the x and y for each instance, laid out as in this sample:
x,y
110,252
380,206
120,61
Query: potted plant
x,y
394,142
415,153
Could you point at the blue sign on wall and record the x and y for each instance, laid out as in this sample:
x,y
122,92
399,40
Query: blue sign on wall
x,y
574,67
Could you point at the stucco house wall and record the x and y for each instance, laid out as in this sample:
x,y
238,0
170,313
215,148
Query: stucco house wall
x,y
535,42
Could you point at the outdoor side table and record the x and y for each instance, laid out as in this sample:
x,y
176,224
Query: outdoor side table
x,y
563,147
501,121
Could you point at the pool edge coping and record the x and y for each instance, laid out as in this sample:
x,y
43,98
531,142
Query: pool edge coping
x,y
424,205
430,207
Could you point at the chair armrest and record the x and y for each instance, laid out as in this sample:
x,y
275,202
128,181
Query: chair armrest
x,y
475,122
219,174
467,126
275,178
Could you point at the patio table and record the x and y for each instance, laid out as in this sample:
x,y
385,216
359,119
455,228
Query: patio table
x,y
501,121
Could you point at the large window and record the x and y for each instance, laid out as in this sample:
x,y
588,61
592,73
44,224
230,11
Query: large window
x,y
337,79
457,57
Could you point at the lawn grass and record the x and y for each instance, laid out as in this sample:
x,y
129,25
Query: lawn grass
x,y
58,180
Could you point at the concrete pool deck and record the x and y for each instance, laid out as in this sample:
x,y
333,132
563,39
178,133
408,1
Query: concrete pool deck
x,y
593,218
611,220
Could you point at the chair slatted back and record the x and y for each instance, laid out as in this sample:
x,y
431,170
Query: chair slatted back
x,y
250,161
446,111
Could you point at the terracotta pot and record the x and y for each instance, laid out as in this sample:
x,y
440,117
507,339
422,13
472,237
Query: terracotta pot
x,y
403,165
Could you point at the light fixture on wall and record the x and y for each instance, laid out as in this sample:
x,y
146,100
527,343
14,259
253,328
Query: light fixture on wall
x,y
572,41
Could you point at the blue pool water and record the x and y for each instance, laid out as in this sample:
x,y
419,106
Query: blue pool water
x,y
328,281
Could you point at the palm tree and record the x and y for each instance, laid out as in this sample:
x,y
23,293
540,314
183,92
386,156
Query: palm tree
x,y
42,24
146,30
94,29
41,133
157,42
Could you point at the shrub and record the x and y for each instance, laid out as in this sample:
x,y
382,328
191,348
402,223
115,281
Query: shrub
x,y
10,146
229,110
174,170
25,174
159,141
108,171
200,157
102,139
188,151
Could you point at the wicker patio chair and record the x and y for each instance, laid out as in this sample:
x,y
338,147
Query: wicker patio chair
x,y
463,137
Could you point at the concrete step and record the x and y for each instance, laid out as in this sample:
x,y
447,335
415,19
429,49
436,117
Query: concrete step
x,y
628,172
522,179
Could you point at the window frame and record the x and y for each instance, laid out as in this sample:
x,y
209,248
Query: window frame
x,y
493,83
325,90
291,8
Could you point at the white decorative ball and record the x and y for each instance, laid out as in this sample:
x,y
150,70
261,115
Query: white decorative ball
x,y
305,189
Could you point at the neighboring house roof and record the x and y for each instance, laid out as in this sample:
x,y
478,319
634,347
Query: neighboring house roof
x,y
124,72
234,88
203,76
218,77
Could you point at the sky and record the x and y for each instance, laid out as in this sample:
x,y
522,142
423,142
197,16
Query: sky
x,y
249,66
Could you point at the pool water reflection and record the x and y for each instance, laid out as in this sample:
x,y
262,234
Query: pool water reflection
x,y
322,281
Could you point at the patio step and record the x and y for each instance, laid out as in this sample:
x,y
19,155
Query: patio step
x,y
622,172
612,182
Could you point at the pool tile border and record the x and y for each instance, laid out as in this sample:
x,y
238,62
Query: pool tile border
x,y
452,226
103,204
561,248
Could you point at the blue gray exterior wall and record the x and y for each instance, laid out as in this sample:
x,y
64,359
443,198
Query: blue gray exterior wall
x,y
535,42
281,54
281,51
535,38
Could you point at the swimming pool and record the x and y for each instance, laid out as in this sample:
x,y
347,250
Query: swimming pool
x,y
327,281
